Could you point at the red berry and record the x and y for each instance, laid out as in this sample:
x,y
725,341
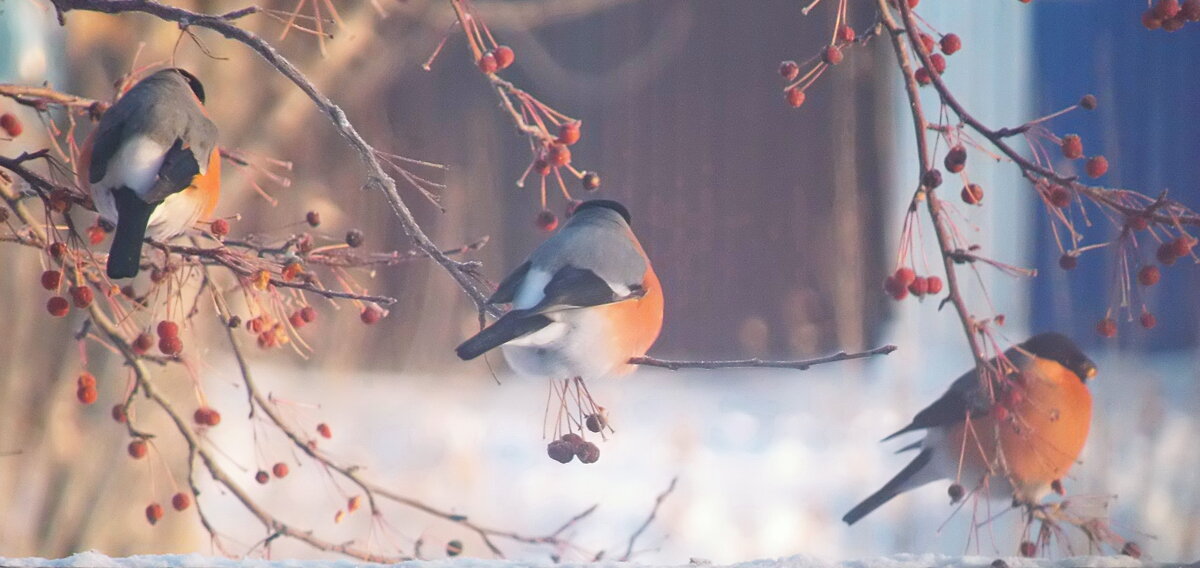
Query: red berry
x,y
1072,147
1151,21
846,34
170,345
541,166
1059,196
546,220
137,449
297,320
85,379
568,133
934,284
927,42
488,63
58,306
956,159
11,124
932,179
371,314
795,97
591,181
1166,253
1149,275
596,422
919,286
504,56
1068,261
559,155
972,194
154,512
1190,10
1166,9
575,440
789,70
262,477
938,63
168,328
1148,320
143,343
207,416
1088,102
324,431
82,295
308,314
181,501
1107,327
905,275
951,43
95,234
1028,549
86,395
831,55
280,470
57,250
219,227
354,503
313,218
51,279
118,414
923,76
1096,166
1182,246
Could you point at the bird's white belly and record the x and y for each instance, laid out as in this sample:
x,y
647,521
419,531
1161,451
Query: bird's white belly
x,y
173,216
576,344
136,167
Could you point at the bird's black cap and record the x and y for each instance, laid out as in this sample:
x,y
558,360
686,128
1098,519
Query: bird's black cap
x,y
1060,349
192,82
605,204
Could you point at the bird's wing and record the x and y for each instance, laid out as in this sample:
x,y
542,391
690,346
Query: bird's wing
x,y
507,290
179,169
952,407
573,287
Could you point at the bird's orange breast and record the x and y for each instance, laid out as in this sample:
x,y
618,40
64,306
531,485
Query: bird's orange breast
x,y
206,188
635,324
1040,438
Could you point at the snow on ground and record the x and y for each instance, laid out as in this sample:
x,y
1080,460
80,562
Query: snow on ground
x,y
768,462
96,560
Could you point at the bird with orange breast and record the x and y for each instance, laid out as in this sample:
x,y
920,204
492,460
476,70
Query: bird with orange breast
x,y
152,165
1013,443
583,303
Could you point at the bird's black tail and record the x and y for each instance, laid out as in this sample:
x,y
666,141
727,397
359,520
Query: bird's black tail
x,y
133,214
509,327
890,489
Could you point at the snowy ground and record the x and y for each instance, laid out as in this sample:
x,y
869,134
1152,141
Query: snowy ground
x,y
95,560
768,462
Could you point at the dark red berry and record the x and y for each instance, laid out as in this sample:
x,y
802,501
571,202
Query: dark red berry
x,y
354,238
559,155
313,218
923,76
1190,10
219,227
927,42
1068,261
546,220
1107,327
324,431
51,279
118,414
1028,549
595,422
1088,102
956,159
11,124
487,63
846,34
568,133
932,178
956,493
371,314
591,181
934,284
951,43
1166,9
1096,166
938,63
587,452
58,306
1072,147
1059,196
560,451
143,343
154,512
181,501
262,477
504,57
1149,275
789,70
1148,320
308,314
831,55
795,97
972,194
137,449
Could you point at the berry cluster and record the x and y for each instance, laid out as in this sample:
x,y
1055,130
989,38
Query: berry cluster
x,y
571,446
1171,15
830,55
904,281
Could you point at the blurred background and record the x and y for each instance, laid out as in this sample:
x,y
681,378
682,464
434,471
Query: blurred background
x,y
771,229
